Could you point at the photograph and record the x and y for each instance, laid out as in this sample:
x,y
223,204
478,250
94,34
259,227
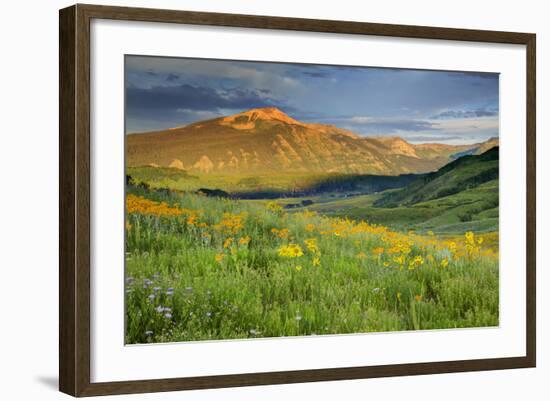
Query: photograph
x,y
279,199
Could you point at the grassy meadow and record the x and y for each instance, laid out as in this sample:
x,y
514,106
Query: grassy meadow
x,y
211,268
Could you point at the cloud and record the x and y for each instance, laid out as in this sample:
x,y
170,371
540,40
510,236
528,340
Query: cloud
x,y
365,124
461,114
254,74
316,74
435,138
191,97
172,77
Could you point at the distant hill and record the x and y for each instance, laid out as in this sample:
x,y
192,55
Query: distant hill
x,y
266,140
465,173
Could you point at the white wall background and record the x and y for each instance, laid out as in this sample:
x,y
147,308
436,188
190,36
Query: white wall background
x,y
29,184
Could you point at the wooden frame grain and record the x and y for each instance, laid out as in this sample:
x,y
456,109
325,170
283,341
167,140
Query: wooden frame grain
x,y
74,199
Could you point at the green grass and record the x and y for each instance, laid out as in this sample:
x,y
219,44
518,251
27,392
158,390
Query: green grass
x,y
474,209
177,291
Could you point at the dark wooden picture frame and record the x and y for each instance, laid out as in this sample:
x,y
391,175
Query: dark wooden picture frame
x,y
74,202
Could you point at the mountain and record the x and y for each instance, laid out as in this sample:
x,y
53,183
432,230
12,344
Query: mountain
x,y
266,140
465,173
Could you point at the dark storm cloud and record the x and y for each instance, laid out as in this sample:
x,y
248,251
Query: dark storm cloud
x,y
172,77
193,98
459,114
316,74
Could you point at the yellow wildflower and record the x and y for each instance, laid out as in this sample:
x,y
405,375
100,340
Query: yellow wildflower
x,y
311,245
444,263
400,260
220,257
298,268
283,233
378,251
291,251
316,262
227,243
418,298
244,240
310,227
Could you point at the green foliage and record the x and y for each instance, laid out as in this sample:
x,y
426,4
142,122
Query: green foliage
x,y
176,290
465,173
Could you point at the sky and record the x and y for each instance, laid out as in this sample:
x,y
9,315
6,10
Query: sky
x,y
421,106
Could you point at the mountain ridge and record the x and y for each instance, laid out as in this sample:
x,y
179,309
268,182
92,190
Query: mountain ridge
x,y
268,140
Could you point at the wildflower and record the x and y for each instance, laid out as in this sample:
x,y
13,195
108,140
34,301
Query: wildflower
x,y
253,332
376,290
430,233
283,233
444,263
128,226
208,314
361,255
418,260
148,333
291,251
298,317
469,237
386,264
418,298
310,227
400,260
480,240
168,315
227,243
316,262
274,207
378,251
159,309
234,251
398,295
244,240
151,297
170,291
219,257
298,268
311,245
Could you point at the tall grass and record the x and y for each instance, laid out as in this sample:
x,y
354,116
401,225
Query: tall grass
x,y
202,268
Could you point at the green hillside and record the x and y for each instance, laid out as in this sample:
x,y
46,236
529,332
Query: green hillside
x,y
467,172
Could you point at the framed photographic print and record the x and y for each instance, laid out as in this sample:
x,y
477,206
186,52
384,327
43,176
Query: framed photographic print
x,y
250,200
